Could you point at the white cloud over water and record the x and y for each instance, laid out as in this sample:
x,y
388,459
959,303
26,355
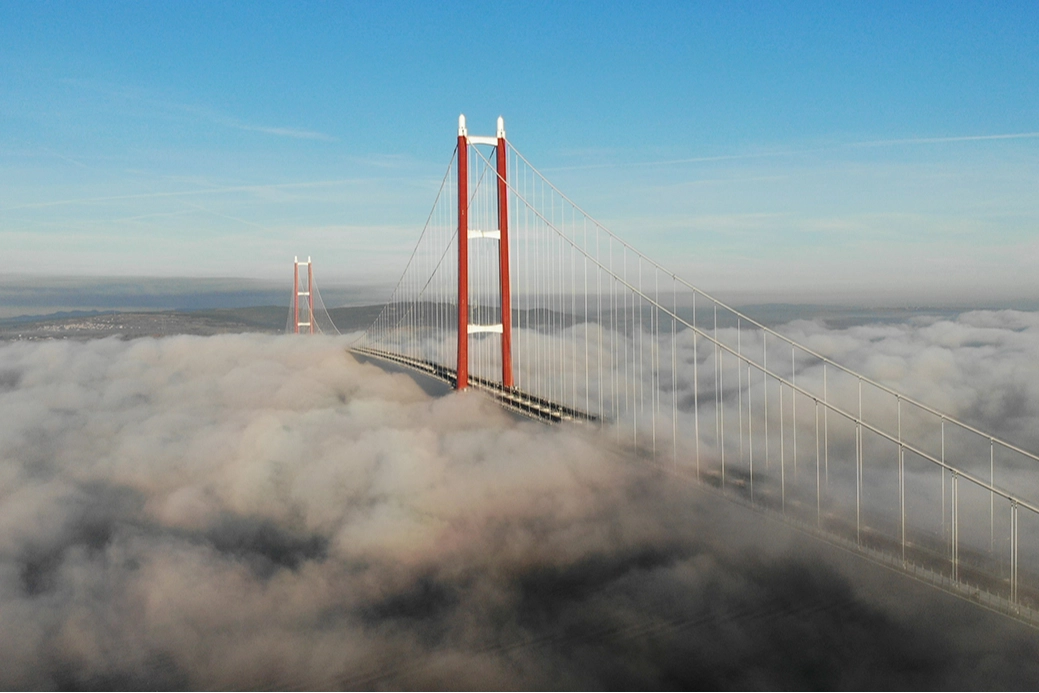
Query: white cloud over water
x,y
252,511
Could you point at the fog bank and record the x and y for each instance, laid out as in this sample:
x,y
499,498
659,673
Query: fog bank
x,y
247,511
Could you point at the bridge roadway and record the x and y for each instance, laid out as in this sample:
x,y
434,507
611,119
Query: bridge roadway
x,y
512,399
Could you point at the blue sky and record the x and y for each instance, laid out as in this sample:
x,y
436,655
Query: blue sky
x,y
768,148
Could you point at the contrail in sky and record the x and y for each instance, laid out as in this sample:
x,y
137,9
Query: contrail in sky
x,y
942,140
794,152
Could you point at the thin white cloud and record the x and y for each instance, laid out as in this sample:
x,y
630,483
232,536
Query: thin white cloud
x,y
163,104
188,193
944,140
280,132
796,152
670,162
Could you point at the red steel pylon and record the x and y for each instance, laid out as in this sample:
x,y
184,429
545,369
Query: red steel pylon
x,y
502,234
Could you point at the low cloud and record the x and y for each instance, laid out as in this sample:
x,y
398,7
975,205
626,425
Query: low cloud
x,y
248,511
980,366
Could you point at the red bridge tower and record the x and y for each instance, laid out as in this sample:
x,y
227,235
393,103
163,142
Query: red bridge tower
x,y
465,234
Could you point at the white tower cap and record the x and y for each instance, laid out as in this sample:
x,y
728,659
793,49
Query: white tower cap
x,y
501,127
461,126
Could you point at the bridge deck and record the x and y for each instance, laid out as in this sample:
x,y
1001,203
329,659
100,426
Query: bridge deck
x,y
513,399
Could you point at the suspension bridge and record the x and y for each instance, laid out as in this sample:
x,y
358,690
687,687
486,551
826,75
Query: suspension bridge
x,y
514,290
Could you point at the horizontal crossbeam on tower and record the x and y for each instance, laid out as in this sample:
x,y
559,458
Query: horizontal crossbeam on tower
x,y
476,329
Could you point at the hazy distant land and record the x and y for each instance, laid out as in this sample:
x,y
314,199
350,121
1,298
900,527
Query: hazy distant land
x,y
65,307
84,325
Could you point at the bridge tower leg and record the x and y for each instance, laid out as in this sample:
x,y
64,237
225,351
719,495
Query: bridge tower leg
x,y
310,294
295,295
462,371
503,260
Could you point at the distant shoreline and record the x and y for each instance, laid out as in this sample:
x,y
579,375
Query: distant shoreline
x,y
98,324
86,325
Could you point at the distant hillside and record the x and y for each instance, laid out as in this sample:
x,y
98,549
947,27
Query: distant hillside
x,y
268,318
356,318
265,318
82,325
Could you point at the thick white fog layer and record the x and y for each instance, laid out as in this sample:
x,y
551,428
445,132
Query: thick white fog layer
x,y
254,511
982,367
